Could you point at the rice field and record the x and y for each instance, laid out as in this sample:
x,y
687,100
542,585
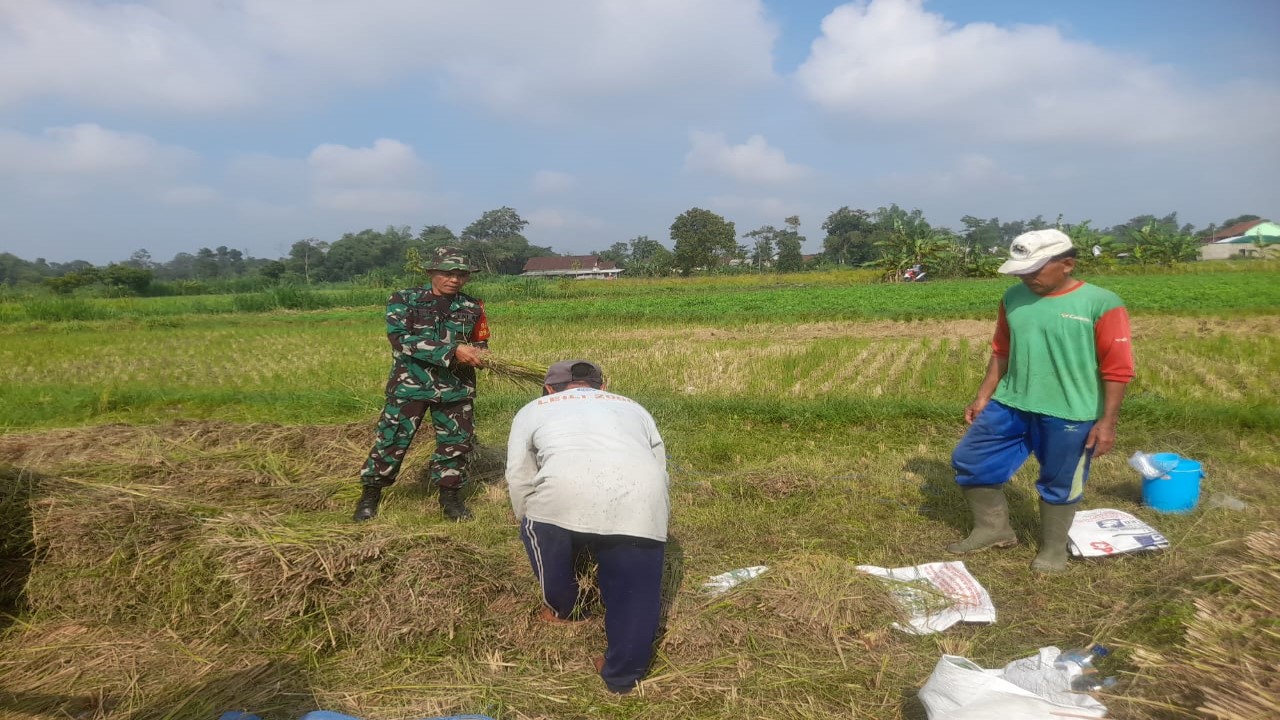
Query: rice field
x,y
282,367
175,493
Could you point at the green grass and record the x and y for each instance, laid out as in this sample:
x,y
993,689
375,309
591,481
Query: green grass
x,y
1182,294
329,366
187,480
1202,288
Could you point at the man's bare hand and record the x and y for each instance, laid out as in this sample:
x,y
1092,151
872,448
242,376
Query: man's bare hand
x,y
974,409
470,355
1101,438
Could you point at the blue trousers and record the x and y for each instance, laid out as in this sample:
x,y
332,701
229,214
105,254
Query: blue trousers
x,y
1000,439
630,579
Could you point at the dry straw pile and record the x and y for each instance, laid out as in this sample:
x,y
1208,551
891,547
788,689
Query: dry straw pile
x,y
1228,665
209,561
185,570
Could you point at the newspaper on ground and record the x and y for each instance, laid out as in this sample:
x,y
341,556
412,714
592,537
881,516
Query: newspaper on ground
x,y
1103,532
936,596
723,582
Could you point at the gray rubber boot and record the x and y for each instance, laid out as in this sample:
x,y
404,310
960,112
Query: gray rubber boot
x,y
1055,523
990,521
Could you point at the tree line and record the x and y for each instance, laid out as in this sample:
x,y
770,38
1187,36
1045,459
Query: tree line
x,y
889,239
892,239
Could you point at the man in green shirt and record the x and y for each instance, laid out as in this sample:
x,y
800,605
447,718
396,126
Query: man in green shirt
x,y
1060,362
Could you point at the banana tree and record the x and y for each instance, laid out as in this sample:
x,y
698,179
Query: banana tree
x,y
918,244
1155,244
1096,251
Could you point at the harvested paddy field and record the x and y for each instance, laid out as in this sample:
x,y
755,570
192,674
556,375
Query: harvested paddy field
x,y
176,539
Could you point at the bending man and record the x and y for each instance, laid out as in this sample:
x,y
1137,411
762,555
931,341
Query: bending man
x,y
587,470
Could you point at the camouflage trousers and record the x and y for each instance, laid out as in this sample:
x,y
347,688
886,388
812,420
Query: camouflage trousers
x,y
454,425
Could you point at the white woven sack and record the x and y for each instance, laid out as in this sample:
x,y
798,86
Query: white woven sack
x,y
959,689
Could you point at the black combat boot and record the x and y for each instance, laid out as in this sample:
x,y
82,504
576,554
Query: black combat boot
x,y
451,504
367,507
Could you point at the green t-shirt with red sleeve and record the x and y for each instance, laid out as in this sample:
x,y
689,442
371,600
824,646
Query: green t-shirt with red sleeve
x,y
1061,347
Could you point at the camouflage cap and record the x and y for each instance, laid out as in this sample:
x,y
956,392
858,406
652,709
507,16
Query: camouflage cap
x,y
447,258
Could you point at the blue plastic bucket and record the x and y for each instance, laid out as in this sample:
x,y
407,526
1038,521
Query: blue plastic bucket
x,y
1176,492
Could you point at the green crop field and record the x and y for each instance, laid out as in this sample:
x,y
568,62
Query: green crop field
x,y
177,476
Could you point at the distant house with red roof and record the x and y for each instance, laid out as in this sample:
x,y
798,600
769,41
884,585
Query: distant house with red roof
x,y
1239,240
578,267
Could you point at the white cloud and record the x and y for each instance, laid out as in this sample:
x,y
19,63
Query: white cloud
x,y
756,211
255,210
549,182
379,183
383,178
542,220
116,55
967,173
74,161
268,178
551,59
890,61
378,201
189,195
569,231
385,163
754,161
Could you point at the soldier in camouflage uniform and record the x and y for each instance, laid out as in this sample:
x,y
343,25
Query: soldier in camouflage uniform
x,y
438,338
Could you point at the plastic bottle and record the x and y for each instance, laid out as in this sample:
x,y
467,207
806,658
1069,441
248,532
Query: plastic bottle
x,y
724,581
1084,658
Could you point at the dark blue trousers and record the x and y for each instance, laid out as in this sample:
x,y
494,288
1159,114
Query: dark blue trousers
x,y
1000,440
630,579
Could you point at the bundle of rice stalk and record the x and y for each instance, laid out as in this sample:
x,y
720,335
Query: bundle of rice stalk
x,y
283,571
105,553
823,597
428,592
378,585
99,673
513,371
16,548
1228,664
84,524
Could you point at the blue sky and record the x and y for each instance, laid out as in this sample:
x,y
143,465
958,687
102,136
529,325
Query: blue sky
x,y
174,124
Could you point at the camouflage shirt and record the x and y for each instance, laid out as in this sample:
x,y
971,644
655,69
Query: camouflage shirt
x,y
424,331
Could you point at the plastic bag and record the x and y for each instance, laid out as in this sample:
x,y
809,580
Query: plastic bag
x,y
1153,465
1031,688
